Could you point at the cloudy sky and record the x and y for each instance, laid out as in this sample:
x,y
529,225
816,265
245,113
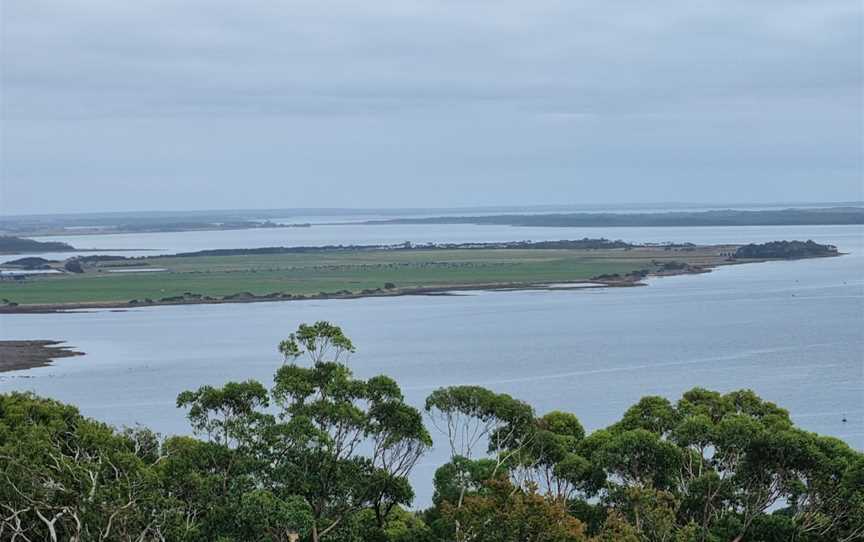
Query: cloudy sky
x,y
188,104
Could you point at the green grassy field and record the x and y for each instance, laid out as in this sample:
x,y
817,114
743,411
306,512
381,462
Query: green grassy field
x,y
336,271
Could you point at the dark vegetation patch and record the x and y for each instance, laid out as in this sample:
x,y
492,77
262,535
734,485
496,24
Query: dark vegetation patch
x,y
10,244
30,263
785,250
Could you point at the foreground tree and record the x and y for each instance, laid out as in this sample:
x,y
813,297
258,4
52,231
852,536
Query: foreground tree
x,y
66,477
504,513
339,444
325,456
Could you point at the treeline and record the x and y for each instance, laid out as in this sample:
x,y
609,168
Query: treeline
x,y
323,455
782,217
786,249
10,244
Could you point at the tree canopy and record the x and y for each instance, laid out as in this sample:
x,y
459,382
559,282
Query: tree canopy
x,y
325,456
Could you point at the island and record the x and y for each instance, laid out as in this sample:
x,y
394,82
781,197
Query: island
x,y
344,272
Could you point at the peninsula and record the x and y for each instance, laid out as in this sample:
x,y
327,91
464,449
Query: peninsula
x,y
292,273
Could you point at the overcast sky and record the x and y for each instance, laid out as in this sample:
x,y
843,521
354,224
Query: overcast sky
x,y
188,104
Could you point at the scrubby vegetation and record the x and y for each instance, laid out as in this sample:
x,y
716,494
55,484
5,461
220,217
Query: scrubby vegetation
x,y
785,249
325,456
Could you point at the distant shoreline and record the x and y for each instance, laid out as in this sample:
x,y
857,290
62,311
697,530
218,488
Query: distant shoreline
x,y
76,251
551,216
831,216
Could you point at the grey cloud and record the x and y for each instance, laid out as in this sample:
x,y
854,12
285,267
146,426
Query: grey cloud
x,y
535,101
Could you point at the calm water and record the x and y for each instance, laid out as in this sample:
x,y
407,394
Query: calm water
x,y
143,244
791,331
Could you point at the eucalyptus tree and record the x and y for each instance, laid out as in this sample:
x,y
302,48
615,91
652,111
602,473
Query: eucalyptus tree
x,y
321,342
399,439
504,513
343,444
827,499
324,455
226,415
477,421
337,443
64,477
551,461
267,518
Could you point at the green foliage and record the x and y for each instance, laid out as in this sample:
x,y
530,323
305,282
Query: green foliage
x,y
223,414
342,443
503,513
654,414
66,477
267,518
324,455
318,341
461,475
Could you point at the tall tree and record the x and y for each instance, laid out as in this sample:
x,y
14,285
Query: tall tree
x,y
330,420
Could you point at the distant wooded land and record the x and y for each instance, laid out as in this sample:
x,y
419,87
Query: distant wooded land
x,y
783,217
144,222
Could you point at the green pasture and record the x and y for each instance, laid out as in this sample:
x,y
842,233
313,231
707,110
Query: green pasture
x,y
327,271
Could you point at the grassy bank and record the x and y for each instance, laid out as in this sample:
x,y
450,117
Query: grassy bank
x,y
344,271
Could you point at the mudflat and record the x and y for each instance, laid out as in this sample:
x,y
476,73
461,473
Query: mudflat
x,y
18,355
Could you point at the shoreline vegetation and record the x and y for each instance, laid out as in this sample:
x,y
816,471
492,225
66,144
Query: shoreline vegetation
x,y
351,272
321,455
20,355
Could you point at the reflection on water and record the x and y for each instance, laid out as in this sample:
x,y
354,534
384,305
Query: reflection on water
x,y
791,331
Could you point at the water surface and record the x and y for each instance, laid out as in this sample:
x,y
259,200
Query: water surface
x,y
148,244
791,331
